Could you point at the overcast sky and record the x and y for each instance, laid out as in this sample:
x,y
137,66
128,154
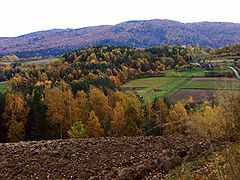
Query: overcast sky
x,y
18,17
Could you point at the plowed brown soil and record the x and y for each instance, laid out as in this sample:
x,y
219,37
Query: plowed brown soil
x,y
198,95
102,158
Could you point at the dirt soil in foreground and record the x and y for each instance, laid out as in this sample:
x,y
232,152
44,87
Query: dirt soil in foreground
x,y
102,158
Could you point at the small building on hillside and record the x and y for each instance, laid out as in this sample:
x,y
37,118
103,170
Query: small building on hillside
x,y
208,65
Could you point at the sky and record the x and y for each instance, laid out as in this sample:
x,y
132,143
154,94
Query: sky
x,y
18,17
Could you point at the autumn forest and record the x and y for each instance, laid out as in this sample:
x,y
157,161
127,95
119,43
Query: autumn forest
x,y
80,95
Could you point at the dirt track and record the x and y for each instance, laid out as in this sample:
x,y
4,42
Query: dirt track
x,y
103,158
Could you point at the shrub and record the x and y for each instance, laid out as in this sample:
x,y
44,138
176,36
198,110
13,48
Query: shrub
x,y
16,132
78,131
173,74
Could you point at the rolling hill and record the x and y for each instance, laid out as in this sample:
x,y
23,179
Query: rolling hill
x,y
132,33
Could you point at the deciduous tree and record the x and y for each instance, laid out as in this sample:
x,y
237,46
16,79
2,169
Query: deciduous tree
x,y
119,121
93,127
177,119
61,107
16,132
99,104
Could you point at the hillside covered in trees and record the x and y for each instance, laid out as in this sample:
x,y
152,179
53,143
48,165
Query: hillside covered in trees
x,y
80,88
79,96
138,34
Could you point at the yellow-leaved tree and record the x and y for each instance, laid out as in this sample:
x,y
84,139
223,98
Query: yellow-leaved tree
x,y
99,104
130,120
81,107
61,111
177,119
209,121
15,115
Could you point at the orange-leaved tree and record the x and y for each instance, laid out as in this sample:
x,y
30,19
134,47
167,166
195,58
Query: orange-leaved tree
x,y
99,104
93,126
119,120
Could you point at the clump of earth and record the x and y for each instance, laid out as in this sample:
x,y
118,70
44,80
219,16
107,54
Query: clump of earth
x,y
102,158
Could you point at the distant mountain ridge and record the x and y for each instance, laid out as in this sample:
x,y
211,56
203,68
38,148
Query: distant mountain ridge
x,y
139,34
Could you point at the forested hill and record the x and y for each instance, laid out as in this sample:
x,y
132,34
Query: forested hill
x,y
133,33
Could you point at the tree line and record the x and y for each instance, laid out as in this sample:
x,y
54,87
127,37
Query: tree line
x,y
55,112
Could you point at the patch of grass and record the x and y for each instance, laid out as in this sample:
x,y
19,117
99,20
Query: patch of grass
x,y
155,87
175,82
3,87
148,82
221,165
212,84
143,91
199,72
157,95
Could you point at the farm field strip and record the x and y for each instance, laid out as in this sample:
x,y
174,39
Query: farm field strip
x,y
148,82
198,95
211,84
3,87
157,86
157,94
195,72
150,88
177,87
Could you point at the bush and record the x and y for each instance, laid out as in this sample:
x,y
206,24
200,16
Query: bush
x,y
16,132
173,74
78,131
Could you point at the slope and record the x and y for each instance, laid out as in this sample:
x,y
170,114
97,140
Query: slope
x,y
132,33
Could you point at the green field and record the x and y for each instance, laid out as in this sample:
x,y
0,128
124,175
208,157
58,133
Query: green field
x,y
149,82
3,87
198,72
212,84
149,88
